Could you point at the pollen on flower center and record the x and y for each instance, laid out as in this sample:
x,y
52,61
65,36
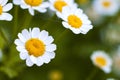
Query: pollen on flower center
x,y
59,4
1,10
106,4
35,47
33,2
74,21
100,61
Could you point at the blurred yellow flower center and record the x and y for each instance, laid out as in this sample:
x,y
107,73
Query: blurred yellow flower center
x,y
101,61
74,21
1,10
106,4
35,47
59,4
33,2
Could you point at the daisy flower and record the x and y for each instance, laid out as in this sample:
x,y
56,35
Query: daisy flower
x,y
32,5
102,60
116,61
75,20
4,8
106,7
35,46
57,5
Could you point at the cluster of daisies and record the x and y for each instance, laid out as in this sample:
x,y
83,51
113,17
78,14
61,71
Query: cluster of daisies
x,y
36,46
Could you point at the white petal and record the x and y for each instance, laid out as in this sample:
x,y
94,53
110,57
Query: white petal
x,y
31,11
4,2
23,55
43,35
51,54
1,1
76,31
39,61
33,59
85,28
41,10
78,11
51,47
35,33
107,69
6,16
18,42
21,49
59,15
29,62
21,37
46,58
48,40
65,24
24,6
26,34
7,7
17,2
44,5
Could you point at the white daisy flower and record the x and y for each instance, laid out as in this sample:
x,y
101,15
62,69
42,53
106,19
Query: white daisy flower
x,y
106,7
75,20
35,46
4,8
102,60
32,5
57,5
110,79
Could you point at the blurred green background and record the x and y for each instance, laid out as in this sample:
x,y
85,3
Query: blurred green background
x,y
72,61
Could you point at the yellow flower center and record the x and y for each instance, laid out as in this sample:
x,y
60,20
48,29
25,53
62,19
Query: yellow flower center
x,y
106,4
59,4
1,10
74,21
35,47
101,61
33,2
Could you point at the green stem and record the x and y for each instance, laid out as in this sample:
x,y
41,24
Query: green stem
x,y
49,21
27,21
3,35
15,20
92,74
59,37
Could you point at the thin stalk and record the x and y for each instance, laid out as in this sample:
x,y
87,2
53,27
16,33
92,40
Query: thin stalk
x,y
92,74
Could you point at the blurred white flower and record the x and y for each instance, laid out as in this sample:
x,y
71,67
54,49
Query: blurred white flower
x,y
57,5
116,61
106,7
75,20
35,46
102,60
110,79
110,34
32,5
4,8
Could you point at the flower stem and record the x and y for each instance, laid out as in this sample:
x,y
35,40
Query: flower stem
x,y
15,24
27,21
4,36
61,35
92,74
49,21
